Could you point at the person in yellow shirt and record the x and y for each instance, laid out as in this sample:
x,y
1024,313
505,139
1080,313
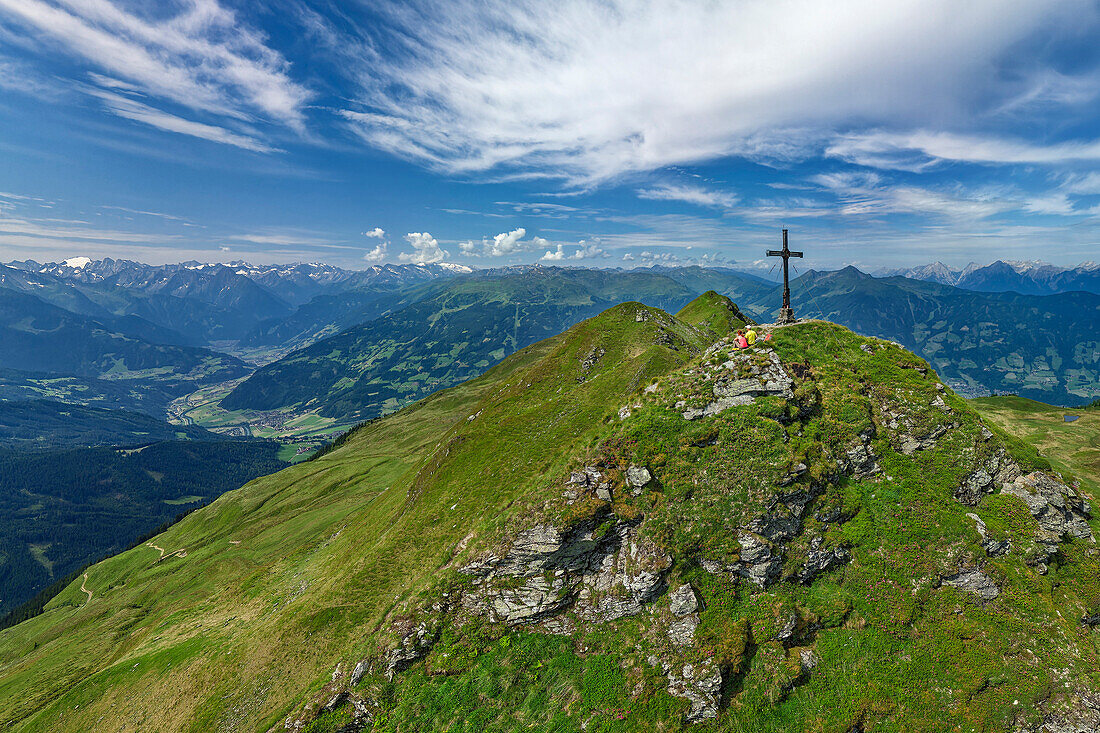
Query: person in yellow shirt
x,y
750,336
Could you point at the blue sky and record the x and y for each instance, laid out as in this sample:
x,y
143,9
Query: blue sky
x,y
609,134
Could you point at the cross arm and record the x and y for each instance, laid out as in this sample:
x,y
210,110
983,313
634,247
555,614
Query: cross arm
x,y
796,254
776,253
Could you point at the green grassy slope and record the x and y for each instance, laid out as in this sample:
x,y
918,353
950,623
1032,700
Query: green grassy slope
x,y
327,545
332,561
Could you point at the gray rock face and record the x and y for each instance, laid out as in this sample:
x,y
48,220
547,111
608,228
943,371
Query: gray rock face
x,y
975,582
732,388
602,575
699,684
1061,512
862,461
997,470
414,645
681,632
359,672
819,561
683,601
638,476
758,563
993,547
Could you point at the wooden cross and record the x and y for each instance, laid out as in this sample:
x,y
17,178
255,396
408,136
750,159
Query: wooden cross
x,y
786,314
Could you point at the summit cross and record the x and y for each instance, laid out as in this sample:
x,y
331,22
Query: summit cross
x,y
786,314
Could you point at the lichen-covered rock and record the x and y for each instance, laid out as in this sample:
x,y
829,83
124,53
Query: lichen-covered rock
x,y
819,561
414,645
975,582
740,380
1061,512
699,684
758,563
994,472
638,476
683,601
603,571
681,632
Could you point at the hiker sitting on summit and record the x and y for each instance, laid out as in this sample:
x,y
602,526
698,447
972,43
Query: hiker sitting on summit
x,y
741,341
750,336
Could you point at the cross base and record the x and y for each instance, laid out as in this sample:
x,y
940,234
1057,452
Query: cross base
x,y
786,315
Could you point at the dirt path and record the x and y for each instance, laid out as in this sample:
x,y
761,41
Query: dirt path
x,y
83,588
182,552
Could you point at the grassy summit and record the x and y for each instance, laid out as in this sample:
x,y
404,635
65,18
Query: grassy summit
x,y
621,528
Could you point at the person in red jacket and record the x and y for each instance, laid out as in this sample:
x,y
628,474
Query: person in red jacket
x,y
741,341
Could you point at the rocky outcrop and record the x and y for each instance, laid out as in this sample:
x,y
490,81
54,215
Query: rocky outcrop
x,y
414,645
683,601
1073,711
598,568
820,561
1061,512
992,546
638,477
740,380
975,582
699,684
993,473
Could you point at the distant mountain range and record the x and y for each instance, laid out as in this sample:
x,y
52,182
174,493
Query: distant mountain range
x,y
1027,278
1044,347
202,303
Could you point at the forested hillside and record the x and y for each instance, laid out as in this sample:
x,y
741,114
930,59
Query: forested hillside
x,y
61,509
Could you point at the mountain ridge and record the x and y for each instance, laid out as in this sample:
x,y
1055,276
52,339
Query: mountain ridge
x,y
622,526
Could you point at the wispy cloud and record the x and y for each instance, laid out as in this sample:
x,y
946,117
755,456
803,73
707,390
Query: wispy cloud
x,y
919,150
138,112
75,230
698,195
201,58
589,91
139,212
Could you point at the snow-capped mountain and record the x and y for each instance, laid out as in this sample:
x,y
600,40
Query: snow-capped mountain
x,y
1032,277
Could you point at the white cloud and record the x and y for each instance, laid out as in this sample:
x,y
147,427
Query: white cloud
x,y
200,57
628,257
376,233
132,110
503,244
587,91
1051,203
506,243
916,151
588,251
555,255
698,195
156,214
378,254
867,194
425,249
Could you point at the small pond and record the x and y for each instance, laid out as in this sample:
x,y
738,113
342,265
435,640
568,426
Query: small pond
x,y
1070,418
